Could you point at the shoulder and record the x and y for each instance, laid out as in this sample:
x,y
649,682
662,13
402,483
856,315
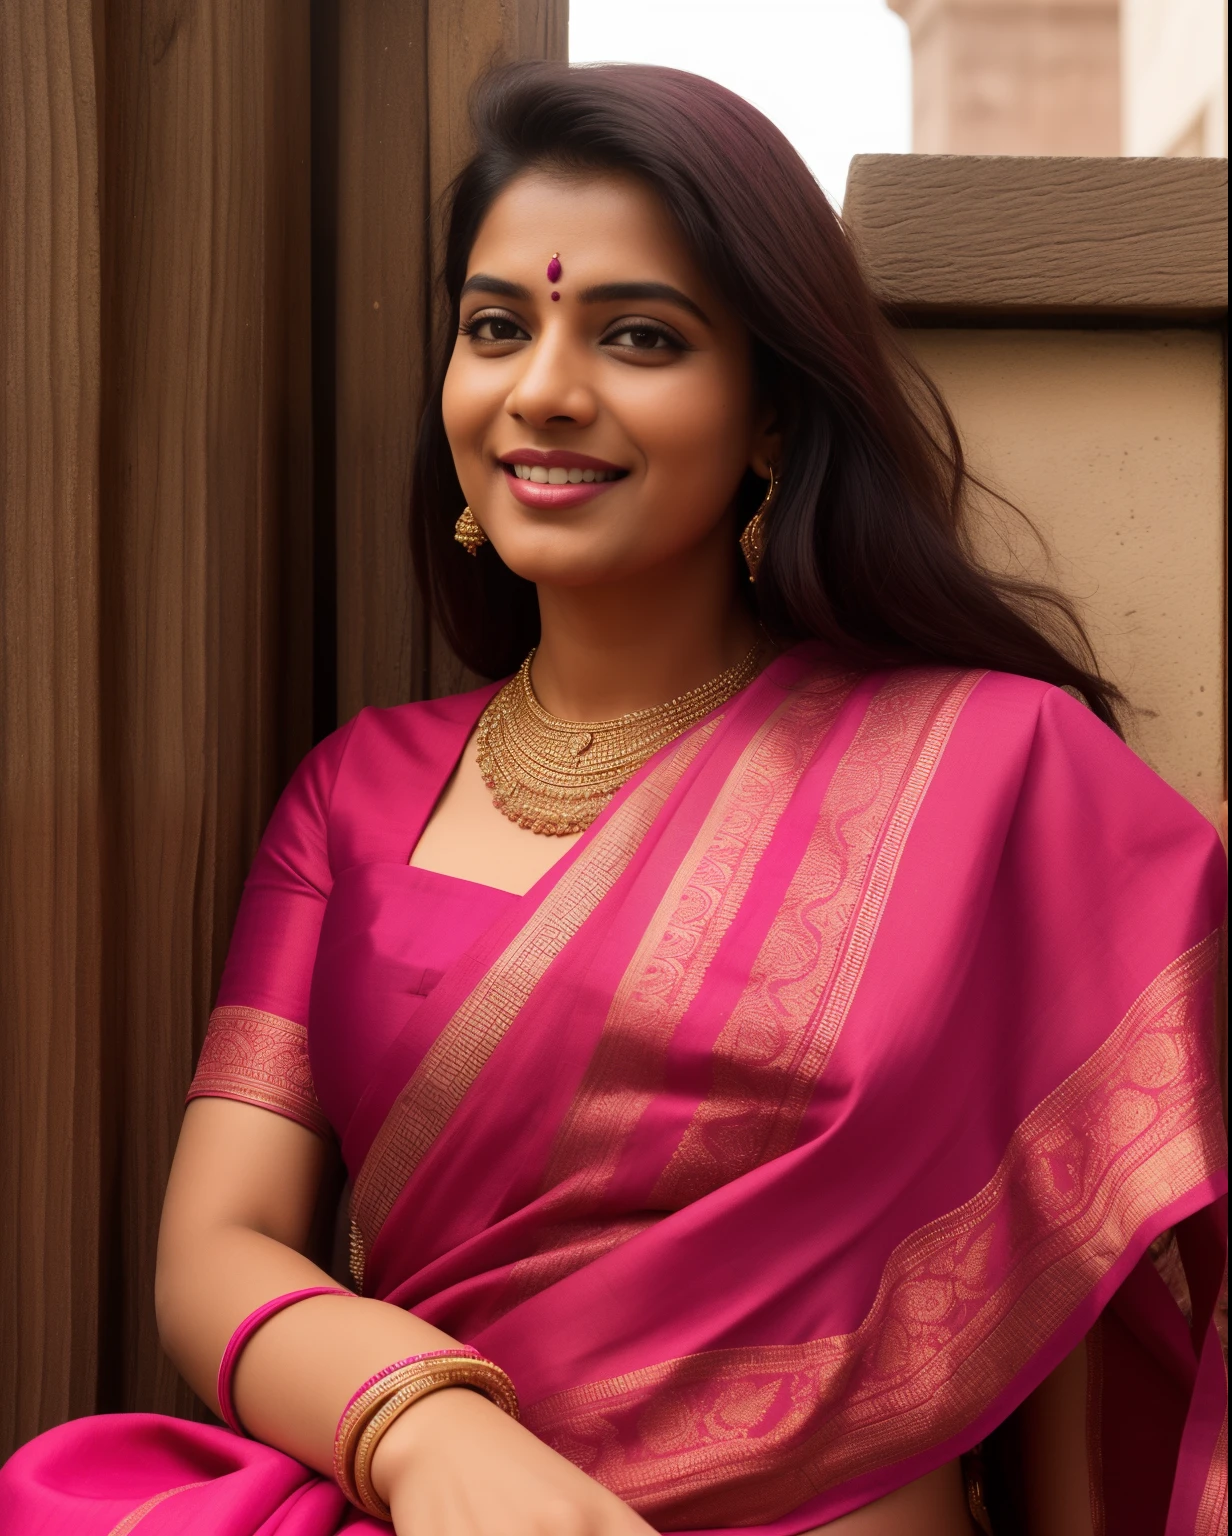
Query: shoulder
x,y
1026,703
1019,715
408,740
1063,757
377,752
382,772
421,721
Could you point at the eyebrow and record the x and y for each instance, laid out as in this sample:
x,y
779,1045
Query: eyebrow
x,y
482,282
601,293
606,293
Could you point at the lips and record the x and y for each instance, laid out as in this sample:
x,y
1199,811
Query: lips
x,y
557,458
557,477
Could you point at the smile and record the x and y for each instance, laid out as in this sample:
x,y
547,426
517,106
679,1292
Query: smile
x,y
539,475
557,479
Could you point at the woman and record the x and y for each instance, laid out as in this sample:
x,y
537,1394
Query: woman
x,y
770,1032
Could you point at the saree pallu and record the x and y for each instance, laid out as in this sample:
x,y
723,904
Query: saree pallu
x,y
855,1066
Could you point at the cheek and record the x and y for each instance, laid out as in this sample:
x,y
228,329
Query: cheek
x,y
464,408
696,427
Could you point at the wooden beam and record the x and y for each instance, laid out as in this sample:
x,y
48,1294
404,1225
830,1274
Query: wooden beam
x,y
406,73
949,238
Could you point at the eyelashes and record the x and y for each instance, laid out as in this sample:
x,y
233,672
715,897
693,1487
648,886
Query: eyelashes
x,y
476,323
648,330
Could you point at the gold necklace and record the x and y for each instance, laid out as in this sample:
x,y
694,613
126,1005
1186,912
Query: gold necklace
x,y
555,776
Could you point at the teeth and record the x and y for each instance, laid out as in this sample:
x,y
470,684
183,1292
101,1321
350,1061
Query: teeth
x,y
541,476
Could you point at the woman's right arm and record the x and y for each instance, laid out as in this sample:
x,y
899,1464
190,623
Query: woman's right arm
x,y
236,1219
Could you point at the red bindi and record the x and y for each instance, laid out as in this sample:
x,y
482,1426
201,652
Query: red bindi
x,y
556,298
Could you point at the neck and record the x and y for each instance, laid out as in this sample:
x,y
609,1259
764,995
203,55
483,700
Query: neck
x,y
609,649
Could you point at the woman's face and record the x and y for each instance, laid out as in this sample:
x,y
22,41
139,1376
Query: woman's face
x,y
626,378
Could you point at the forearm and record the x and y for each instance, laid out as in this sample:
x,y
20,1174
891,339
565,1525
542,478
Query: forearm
x,y
297,1372
239,1207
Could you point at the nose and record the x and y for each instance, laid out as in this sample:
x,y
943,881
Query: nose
x,y
552,388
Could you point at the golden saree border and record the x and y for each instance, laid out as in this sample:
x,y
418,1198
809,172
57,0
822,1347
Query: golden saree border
x,y
459,1052
131,1521
259,1058
663,978
775,1046
741,1436
1212,1515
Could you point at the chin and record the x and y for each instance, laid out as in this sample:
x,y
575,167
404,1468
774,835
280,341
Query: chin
x,y
561,557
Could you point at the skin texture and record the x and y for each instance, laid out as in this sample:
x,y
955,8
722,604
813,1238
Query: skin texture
x,y
640,600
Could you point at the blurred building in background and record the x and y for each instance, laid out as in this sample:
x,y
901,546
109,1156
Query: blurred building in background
x,y
1068,77
1175,77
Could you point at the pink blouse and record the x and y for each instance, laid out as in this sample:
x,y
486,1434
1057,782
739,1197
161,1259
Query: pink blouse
x,y
324,969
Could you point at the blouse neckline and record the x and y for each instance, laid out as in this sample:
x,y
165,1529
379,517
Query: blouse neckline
x,y
475,885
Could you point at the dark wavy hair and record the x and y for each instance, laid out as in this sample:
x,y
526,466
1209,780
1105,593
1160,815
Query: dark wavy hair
x,y
867,545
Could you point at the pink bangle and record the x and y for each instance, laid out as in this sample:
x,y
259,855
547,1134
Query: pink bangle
x,y
432,1354
245,1331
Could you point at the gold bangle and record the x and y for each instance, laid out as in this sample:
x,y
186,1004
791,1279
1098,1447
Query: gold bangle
x,y
367,1419
368,1498
361,1409
478,1375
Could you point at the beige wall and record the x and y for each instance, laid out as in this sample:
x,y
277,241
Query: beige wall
x,y
1014,77
1175,77
1112,441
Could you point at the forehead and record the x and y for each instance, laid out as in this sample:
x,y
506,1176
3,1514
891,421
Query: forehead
x,y
605,227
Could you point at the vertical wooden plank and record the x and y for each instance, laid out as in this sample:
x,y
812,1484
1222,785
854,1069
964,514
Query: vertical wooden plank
x,y
49,781
205,487
382,340
463,40
323,134
288,449
407,68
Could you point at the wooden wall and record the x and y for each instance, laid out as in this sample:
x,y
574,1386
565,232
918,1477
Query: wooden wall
x,y
51,813
214,310
394,70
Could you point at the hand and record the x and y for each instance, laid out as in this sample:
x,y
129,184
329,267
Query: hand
x,y
455,1465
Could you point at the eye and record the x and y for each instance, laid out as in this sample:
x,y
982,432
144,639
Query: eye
x,y
493,328
644,337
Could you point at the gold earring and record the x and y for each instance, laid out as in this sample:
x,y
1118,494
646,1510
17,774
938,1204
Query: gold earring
x,y
753,539
468,533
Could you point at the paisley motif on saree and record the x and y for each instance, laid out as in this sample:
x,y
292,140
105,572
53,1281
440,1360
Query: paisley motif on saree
x,y
737,1436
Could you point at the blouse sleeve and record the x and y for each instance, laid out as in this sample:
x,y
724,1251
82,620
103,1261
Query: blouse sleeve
x,y
256,1046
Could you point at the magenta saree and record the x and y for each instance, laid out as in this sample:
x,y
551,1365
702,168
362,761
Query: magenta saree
x,y
853,1067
